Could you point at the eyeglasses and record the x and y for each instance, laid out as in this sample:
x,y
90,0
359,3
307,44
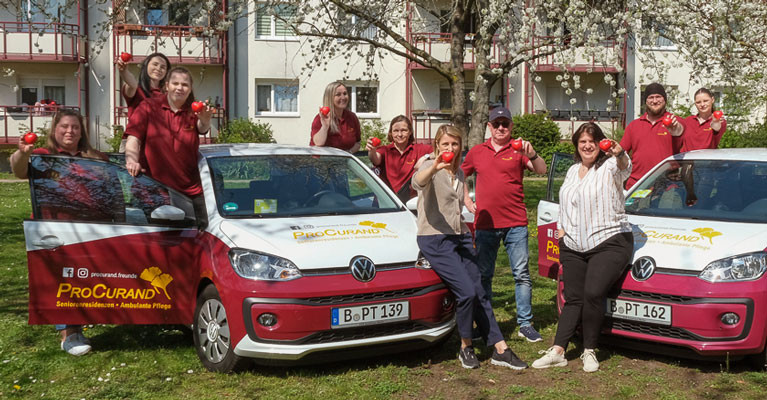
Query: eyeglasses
x,y
504,124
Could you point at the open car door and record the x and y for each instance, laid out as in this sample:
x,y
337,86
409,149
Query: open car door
x,y
105,247
548,214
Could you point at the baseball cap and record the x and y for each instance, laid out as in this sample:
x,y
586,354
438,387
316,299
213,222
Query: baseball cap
x,y
500,112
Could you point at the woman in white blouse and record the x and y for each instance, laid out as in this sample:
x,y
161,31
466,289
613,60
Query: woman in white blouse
x,y
595,241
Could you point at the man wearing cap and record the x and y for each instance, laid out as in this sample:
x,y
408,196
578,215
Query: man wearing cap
x,y
500,210
647,139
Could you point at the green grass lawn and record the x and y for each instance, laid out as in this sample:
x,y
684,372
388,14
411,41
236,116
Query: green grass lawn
x,y
159,362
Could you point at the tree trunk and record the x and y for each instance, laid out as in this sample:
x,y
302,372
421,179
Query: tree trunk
x,y
483,81
458,81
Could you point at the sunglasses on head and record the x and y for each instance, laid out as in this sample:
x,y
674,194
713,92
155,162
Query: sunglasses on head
x,y
504,124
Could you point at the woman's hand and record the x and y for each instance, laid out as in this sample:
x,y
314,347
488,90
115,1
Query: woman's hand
x,y
121,64
133,168
324,119
25,148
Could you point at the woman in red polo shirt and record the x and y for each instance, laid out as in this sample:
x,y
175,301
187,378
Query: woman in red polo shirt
x,y
340,127
163,138
67,137
703,131
398,159
150,82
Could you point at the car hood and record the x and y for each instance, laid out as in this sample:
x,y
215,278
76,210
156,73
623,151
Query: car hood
x,y
329,241
686,244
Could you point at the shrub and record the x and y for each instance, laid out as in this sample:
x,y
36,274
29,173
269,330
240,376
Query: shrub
x,y
373,128
243,130
745,136
114,142
539,130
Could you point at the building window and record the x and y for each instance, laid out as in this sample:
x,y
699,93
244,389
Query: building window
x,y
277,99
271,22
660,42
446,99
55,93
355,26
364,100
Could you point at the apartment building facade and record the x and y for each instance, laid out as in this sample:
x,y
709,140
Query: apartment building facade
x,y
259,70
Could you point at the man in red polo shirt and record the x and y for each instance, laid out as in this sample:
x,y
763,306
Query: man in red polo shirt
x,y
500,210
647,139
163,136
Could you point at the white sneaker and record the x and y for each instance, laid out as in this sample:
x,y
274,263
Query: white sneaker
x,y
590,363
74,345
550,359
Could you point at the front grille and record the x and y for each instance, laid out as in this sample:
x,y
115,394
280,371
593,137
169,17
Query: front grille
x,y
654,330
363,332
364,297
347,271
667,298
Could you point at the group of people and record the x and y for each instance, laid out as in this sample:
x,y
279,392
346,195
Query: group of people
x,y
595,248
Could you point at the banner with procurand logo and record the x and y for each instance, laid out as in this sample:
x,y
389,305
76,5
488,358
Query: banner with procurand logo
x,y
75,285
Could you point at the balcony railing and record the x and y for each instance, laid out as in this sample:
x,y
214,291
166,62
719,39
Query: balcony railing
x,y
15,121
438,45
583,61
39,41
181,44
569,120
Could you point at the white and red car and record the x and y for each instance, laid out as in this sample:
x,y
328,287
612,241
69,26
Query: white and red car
x,y
303,255
697,284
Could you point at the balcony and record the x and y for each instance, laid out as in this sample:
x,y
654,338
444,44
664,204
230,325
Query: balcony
x,y
438,45
15,121
569,120
181,44
582,63
40,41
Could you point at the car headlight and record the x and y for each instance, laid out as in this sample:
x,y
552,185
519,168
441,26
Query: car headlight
x,y
422,262
744,267
263,267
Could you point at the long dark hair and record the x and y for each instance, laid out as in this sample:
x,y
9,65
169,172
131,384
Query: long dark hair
x,y
83,145
144,81
184,71
596,133
406,120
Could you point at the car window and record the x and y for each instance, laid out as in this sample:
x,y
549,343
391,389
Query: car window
x,y
280,185
79,189
722,190
560,163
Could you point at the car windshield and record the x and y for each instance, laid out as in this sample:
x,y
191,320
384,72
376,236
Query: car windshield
x,y
723,190
295,185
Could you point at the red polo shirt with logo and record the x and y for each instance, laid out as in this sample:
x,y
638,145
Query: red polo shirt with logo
x,y
648,143
499,195
348,131
169,144
699,135
398,167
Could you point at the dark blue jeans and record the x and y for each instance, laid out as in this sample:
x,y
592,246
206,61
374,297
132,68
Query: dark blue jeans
x,y
454,260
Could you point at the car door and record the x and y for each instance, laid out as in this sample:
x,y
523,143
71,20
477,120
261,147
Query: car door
x,y
548,213
105,247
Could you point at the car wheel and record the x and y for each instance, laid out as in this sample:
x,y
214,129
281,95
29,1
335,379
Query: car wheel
x,y
212,337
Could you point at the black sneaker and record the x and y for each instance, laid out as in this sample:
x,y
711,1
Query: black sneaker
x,y
468,358
507,359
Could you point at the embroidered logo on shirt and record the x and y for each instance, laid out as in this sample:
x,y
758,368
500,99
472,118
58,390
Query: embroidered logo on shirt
x,y
508,158
410,162
662,133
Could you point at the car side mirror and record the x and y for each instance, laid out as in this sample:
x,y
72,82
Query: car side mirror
x,y
412,204
168,213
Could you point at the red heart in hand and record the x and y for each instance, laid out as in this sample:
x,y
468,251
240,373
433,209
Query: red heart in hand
x,y
376,141
667,120
325,110
126,56
516,144
447,156
197,106
605,144
30,138
718,114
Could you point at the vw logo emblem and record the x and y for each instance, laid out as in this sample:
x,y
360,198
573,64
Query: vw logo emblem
x,y
363,269
643,268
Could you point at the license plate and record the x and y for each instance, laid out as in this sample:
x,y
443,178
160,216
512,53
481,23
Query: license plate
x,y
639,311
342,317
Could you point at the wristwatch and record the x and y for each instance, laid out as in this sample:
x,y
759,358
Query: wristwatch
x,y
534,157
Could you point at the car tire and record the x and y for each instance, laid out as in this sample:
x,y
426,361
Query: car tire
x,y
211,334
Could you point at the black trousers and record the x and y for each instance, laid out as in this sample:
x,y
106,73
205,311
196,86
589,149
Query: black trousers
x,y
587,277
